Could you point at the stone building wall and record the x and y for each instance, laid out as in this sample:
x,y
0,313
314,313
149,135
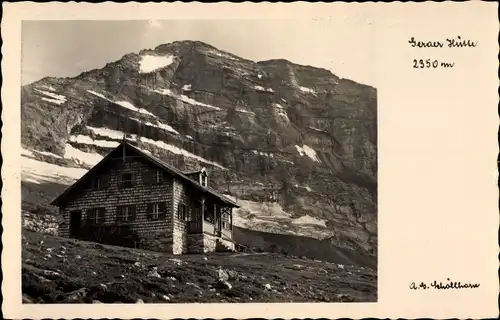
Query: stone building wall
x,y
154,234
180,245
195,243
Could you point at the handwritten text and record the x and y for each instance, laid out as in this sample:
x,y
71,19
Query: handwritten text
x,y
457,42
443,286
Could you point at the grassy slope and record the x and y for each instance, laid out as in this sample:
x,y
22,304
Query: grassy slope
x,y
302,246
65,270
36,199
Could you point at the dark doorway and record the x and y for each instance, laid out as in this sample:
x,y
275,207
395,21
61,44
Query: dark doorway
x,y
75,223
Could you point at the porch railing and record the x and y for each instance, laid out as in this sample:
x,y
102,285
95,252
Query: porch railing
x,y
197,226
208,227
194,227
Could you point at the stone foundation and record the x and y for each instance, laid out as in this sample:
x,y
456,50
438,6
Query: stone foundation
x,y
209,243
228,244
204,243
195,243
160,243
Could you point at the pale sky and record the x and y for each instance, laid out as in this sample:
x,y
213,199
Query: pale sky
x,y
68,47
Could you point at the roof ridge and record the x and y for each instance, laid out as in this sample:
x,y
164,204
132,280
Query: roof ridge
x,y
174,171
181,174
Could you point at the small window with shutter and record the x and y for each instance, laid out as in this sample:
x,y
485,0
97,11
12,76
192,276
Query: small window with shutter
x,y
183,212
156,211
91,216
154,177
101,215
158,177
96,183
125,213
127,180
96,216
225,221
100,182
204,179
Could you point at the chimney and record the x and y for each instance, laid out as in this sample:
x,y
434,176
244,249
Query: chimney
x,y
199,176
203,178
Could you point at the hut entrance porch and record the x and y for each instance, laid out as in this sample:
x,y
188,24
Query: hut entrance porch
x,y
211,217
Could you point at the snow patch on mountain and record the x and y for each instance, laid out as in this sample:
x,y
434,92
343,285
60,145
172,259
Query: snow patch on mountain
x,y
150,63
31,180
221,54
284,115
130,106
98,95
50,154
158,125
260,209
245,111
308,220
186,87
318,130
36,171
280,110
306,187
184,98
118,135
52,97
88,158
307,90
48,87
105,132
27,153
58,102
270,155
82,139
176,150
308,151
261,88
271,217
124,104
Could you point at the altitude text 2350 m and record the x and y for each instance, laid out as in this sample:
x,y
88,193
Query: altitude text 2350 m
x,y
429,63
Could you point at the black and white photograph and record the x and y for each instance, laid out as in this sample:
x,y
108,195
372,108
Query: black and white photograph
x,y
196,161
253,160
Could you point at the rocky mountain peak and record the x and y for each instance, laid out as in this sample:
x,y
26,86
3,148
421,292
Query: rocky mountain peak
x,y
276,132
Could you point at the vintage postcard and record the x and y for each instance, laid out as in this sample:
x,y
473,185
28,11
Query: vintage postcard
x,y
250,160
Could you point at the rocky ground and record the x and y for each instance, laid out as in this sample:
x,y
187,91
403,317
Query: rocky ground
x,y
58,270
272,132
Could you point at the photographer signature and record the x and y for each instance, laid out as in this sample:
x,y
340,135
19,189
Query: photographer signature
x,y
443,285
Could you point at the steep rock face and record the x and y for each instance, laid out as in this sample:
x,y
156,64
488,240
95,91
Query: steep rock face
x,y
268,131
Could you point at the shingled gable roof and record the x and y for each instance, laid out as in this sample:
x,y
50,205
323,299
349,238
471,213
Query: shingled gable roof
x,y
161,164
187,173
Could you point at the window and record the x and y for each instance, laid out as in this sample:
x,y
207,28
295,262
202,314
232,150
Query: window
x,y
203,179
182,212
154,177
126,180
156,211
96,183
96,216
100,182
157,177
225,221
125,213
